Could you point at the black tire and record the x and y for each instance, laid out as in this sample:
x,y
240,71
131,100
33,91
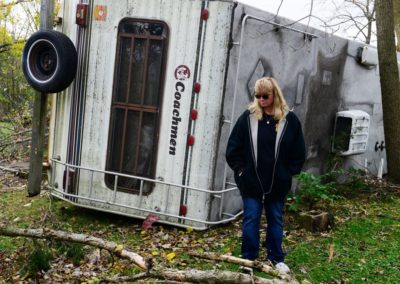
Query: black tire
x,y
49,61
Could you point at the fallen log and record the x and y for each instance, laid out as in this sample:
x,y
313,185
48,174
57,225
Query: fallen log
x,y
236,260
211,276
112,247
263,267
17,172
11,170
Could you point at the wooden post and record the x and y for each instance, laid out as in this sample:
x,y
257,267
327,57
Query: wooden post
x,y
39,114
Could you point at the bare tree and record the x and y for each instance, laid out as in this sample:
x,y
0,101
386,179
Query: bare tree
x,y
356,17
390,84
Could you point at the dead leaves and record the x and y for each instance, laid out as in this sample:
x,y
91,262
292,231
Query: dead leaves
x,y
119,248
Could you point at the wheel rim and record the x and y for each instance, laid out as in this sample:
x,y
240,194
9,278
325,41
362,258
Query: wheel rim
x,y
42,61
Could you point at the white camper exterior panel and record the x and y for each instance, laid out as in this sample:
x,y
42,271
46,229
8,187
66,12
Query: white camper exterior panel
x,y
211,75
189,36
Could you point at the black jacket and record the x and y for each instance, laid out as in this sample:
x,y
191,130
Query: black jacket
x,y
241,155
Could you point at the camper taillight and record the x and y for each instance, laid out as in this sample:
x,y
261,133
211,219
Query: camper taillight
x,y
183,210
205,14
197,87
81,14
190,140
193,114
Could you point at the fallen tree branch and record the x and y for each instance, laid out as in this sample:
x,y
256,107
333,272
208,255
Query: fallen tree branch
x,y
169,275
14,134
16,172
211,276
77,238
237,260
119,279
263,267
174,276
16,142
4,144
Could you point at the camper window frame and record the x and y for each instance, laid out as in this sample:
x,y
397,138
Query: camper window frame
x,y
141,108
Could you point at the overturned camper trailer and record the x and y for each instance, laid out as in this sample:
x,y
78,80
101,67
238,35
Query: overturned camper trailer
x,y
160,83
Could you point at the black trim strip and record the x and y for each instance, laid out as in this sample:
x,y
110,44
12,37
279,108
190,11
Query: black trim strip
x,y
198,59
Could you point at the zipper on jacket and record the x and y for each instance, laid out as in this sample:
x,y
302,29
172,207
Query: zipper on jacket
x,y
254,159
276,156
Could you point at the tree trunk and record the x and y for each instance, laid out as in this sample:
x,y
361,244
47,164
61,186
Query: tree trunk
x,y
39,113
390,86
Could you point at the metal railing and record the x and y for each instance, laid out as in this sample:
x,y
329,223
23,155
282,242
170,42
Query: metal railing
x,y
74,198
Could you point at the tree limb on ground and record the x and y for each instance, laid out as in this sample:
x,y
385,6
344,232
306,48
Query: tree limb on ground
x,y
5,169
192,276
77,238
199,276
237,260
211,276
16,172
263,267
5,144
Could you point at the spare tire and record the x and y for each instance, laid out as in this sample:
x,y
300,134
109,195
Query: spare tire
x,y
49,61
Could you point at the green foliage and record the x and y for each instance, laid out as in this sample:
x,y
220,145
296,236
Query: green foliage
x,y
38,260
364,249
7,244
15,92
312,190
73,251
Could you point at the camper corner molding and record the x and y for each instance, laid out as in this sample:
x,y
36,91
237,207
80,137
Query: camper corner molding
x,y
49,61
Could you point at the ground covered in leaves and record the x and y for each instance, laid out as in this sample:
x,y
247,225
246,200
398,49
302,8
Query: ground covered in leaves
x,y
363,245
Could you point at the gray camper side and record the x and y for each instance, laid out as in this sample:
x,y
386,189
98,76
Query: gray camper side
x,y
320,75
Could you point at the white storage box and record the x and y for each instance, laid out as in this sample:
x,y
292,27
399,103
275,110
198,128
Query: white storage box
x,y
351,132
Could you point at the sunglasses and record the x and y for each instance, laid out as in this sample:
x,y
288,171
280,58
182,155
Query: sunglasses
x,y
265,97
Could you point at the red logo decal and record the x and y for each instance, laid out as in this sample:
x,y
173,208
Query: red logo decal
x,y
182,72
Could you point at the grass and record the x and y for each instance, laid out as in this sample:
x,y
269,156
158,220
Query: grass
x,y
5,128
363,247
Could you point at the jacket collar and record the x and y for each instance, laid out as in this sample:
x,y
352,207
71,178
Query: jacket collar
x,y
254,133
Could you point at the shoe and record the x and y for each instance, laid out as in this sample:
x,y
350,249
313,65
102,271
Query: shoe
x,y
282,268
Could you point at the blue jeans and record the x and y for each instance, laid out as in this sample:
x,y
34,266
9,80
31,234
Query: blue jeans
x,y
251,229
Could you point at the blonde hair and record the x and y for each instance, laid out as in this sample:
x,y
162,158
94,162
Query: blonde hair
x,y
262,86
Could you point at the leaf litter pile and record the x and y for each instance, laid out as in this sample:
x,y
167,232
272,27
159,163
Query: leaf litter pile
x,y
166,246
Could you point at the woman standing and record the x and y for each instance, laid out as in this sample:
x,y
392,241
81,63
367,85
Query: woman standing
x,y
265,149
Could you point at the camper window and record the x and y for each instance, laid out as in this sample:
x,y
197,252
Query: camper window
x,y
135,109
